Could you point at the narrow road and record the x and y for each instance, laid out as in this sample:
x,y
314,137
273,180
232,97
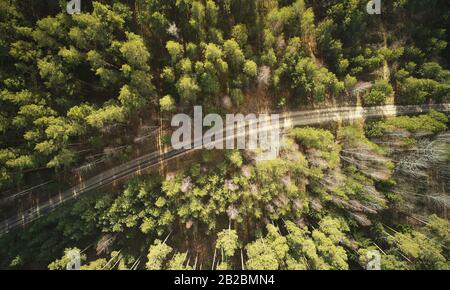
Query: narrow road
x,y
287,120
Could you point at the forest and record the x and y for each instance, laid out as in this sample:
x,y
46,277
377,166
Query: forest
x,y
83,93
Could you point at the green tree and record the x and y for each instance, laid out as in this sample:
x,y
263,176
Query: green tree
x,y
240,33
187,88
227,242
175,50
167,103
250,68
157,255
381,90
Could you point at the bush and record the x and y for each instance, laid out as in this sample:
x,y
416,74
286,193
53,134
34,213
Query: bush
x,y
350,82
433,122
167,103
380,91
250,68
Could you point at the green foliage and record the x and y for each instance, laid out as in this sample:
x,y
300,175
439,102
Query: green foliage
x,y
178,262
250,68
133,208
213,52
312,81
67,64
314,138
95,265
107,115
300,249
381,90
433,83
235,158
175,50
240,33
417,246
353,137
130,100
16,262
157,254
433,122
72,85
167,103
438,228
233,52
416,91
267,253
187,88
350,82
227,242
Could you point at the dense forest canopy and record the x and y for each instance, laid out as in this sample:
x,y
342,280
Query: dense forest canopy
x,y
77,90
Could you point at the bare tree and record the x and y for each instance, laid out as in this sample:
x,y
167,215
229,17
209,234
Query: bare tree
x,y
423,156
